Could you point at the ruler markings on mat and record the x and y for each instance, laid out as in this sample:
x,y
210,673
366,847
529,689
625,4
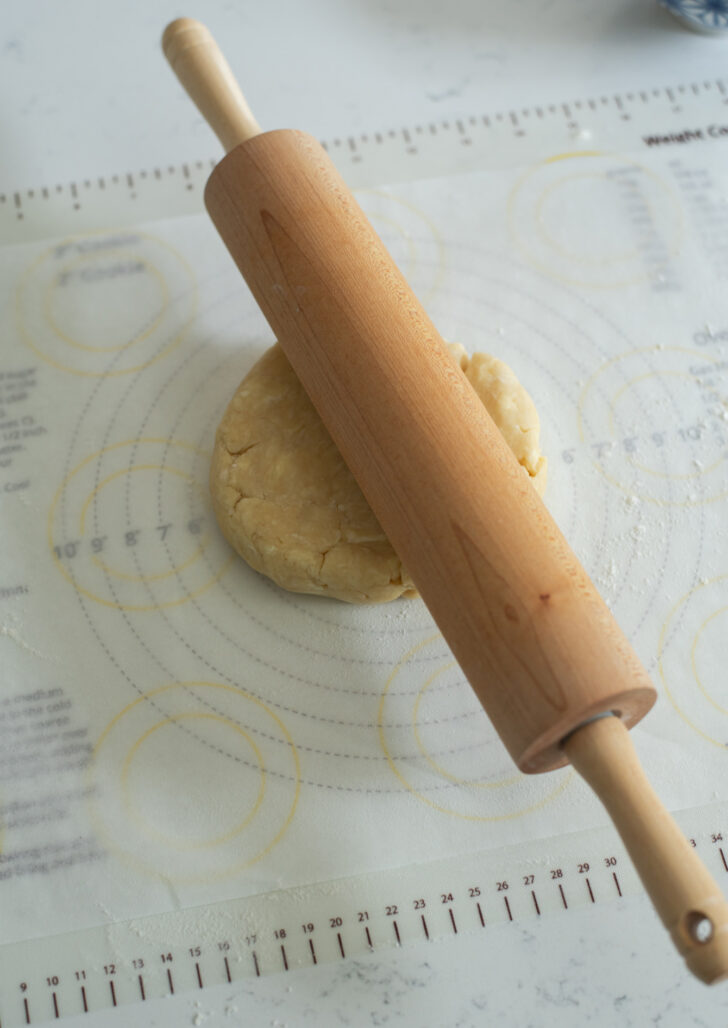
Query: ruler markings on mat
x,y
689,113
190,950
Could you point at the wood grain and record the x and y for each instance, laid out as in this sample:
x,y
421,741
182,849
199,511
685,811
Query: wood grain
x,y
533,636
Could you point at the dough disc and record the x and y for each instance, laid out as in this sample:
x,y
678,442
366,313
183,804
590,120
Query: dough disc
x,y
287,503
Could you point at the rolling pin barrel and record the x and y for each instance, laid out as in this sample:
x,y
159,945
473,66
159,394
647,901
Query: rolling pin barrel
x,y
534,638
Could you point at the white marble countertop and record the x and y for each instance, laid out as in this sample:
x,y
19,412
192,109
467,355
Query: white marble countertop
x,y
87,94
582,969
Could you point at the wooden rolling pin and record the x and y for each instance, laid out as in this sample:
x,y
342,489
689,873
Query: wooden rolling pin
x,y
551,667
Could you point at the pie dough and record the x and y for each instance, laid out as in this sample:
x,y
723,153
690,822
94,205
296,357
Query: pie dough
x,y
288,504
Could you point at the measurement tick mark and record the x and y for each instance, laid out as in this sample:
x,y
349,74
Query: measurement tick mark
x,y
722,857
616,882
452,921
171,983
341,944
83,998
313,951
199,976
55,1005
396,933
113,993
563,898
141,987
227,970
480,915
369,939
535,902
591,894
424,926
27,1011
285,958
255,962
508,908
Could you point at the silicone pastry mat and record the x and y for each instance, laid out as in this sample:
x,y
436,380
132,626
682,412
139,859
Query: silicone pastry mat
x,y
175,729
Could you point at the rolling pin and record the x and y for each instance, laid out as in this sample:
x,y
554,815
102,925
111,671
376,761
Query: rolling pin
x,y
554,672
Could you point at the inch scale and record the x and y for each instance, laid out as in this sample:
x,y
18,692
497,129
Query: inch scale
x,y
673,116
191,950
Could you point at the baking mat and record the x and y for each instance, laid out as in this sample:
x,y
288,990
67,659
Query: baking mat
x,y
177,731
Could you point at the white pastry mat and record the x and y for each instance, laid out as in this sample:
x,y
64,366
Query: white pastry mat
x,y
176,731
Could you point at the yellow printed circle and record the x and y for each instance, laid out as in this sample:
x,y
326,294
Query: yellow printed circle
x,y
690,659
631,415
134,261
183,841
155,469
440,745
129,526
595,219
420,715
717,624
106,304
193,782
582,248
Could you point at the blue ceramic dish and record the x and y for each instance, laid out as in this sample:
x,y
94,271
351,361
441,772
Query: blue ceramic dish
x,y
701,15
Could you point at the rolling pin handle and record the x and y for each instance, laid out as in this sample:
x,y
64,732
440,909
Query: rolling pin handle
x,y
684,894
198,63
